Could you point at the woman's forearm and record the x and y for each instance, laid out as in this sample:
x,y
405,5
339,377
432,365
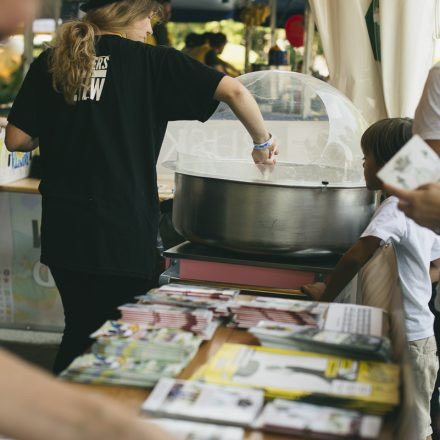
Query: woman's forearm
x,y
244,107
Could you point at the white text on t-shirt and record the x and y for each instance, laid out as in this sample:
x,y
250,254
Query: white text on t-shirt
x,y
97,81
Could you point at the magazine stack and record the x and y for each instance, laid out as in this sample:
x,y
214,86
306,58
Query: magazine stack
x,y
140,341
369,386
198,321
134,354
192,296
114,370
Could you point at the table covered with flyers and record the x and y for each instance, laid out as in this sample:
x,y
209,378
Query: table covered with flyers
x,y
209,363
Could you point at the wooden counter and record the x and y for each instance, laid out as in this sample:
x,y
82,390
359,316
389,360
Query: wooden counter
x,y
30,186
133,398
27,185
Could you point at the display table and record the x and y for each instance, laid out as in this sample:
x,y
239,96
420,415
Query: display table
x,y
27,185
133,397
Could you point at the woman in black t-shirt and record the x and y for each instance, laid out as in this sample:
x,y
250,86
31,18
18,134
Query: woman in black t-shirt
x,y
98,103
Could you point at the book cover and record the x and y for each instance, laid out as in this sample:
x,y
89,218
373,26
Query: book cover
x,y
292,336
367,385
185,430
295,418
200,401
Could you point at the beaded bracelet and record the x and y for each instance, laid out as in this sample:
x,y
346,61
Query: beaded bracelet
x,y
264,145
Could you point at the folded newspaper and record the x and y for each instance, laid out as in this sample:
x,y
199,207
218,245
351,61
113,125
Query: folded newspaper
x,y
317,378
204,402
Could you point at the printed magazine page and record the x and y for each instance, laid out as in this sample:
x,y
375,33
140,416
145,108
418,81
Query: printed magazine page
x,y
345,318
204,402
184,430
371,386
294,337
290,417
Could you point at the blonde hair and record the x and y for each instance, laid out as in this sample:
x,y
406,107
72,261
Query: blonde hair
x,y
73,51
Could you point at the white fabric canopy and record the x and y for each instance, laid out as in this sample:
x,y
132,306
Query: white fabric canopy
x,y
393,86
407,46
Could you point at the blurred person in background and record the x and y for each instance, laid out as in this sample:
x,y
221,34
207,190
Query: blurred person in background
x,y
192,40
197,46
217,42
160,35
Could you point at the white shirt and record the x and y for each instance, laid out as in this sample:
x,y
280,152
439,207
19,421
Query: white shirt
x,y
415,248
427,117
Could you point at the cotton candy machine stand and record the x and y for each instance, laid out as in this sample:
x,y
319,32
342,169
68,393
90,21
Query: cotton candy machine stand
x,y
261,225
276,275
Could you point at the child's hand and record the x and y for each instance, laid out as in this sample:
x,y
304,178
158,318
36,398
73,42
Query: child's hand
x,y
314,290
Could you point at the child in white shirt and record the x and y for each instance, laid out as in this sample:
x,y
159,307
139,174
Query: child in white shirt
x,y
416,247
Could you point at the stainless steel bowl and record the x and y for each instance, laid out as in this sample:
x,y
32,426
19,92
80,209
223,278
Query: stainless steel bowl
x,y
268,219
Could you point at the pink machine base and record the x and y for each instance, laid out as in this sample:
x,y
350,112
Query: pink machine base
x,y
189,261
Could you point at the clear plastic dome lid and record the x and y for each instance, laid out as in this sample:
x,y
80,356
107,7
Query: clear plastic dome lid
x,y
317,128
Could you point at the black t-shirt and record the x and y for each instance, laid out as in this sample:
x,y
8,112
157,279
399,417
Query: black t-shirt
x,y
100,201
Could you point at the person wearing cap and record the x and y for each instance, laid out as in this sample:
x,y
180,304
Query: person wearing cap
x,y
65,412
98,103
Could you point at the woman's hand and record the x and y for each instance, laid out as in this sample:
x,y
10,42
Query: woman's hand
x,y
247,111
266,156
314,290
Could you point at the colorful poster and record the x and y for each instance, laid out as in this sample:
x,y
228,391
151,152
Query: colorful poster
x,y
28,296
13,166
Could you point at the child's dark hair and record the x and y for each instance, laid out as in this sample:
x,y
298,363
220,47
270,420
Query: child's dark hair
x,y
386,137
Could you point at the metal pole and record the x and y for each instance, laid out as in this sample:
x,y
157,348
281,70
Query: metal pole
x,y
57,12
28,53
308,45
247,42
247,47
273,22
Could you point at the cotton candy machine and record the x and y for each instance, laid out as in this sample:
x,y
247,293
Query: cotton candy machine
x,y
313,202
